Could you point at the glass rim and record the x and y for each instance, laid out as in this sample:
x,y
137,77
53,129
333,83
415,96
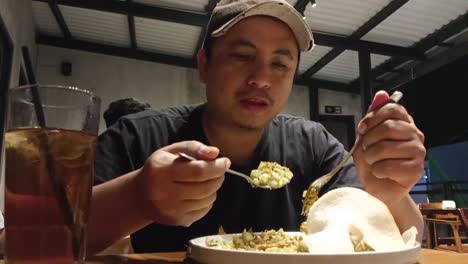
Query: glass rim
x,y
68,88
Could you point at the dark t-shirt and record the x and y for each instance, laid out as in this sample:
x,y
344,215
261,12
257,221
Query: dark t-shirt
x,y
304,146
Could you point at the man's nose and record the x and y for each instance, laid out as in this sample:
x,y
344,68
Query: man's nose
x,y
259,75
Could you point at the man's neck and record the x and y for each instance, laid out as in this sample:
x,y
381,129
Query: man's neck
x,y
236,143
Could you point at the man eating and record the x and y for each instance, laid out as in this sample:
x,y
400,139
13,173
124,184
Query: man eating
x,y
248,62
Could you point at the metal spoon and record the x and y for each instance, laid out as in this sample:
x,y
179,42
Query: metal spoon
x,y
244,176
311,195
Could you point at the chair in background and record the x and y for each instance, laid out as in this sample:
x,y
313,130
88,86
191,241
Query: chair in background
x,y
434,215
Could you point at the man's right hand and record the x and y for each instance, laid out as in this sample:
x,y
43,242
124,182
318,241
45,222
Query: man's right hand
x,y
181,192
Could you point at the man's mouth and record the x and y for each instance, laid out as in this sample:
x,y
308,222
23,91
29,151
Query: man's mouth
x,y
255,104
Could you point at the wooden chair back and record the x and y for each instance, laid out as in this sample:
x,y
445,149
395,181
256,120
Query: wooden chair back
x,y
434,215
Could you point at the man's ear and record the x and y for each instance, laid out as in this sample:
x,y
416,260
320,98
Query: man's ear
x,y
202,61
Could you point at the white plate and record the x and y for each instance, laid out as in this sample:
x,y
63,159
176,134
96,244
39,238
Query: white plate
x,y
200,252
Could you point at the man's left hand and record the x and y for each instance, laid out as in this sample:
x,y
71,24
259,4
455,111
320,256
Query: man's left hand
x,y
390,158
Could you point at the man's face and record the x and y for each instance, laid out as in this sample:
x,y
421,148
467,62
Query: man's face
x,y
250,73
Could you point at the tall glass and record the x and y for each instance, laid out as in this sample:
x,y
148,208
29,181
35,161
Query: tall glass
x,y
49,169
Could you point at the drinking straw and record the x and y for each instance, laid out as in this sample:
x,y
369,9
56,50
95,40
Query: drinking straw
x,y
56,181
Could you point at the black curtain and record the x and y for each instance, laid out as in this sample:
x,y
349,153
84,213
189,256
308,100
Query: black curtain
x,y
439,103
6,55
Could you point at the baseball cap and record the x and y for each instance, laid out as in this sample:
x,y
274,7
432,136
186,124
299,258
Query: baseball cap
x,y
229,12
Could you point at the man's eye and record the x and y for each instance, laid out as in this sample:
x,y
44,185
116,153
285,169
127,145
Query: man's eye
x,y
280,65
242,57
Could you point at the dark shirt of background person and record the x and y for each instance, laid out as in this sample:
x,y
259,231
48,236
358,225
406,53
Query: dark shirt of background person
x,y
123,107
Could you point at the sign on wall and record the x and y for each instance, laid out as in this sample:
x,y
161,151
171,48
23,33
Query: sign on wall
x,y
333,109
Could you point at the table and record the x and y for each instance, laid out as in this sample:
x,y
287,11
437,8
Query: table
x,y
428,257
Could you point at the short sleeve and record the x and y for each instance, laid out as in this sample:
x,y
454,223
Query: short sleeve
x,y
113,153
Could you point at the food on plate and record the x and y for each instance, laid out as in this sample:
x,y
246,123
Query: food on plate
x,y
348,220
221,230
309,197
271,174
268,241
342,221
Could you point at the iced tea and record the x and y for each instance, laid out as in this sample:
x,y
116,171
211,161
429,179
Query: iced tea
x,y
37,230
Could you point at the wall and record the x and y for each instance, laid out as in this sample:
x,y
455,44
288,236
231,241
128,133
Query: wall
x,y
298,103
17,16
350,103
113,78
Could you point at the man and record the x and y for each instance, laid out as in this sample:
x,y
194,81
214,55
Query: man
x,y
248,63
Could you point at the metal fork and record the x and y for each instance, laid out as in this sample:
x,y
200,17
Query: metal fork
x,y
311,195
244,176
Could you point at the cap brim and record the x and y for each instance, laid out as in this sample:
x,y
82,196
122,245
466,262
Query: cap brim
x,y
281,11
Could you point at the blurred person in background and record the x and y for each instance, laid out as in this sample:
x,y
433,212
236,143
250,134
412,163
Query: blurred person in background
x,y
123,107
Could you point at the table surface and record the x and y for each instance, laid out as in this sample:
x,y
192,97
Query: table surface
x,y
428,256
